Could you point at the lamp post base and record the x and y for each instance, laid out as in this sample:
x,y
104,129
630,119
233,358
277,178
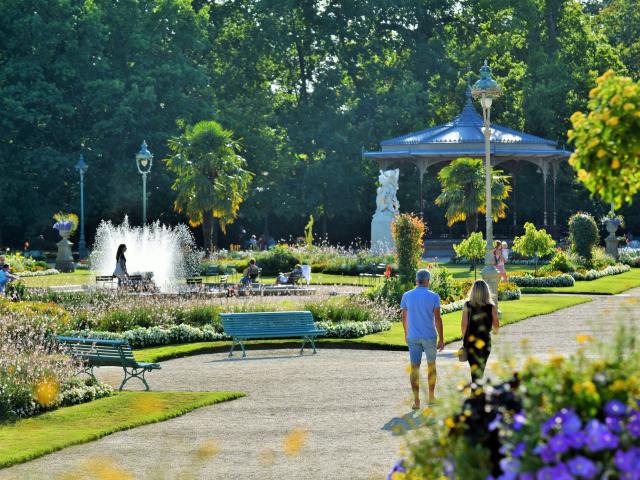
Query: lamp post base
x,y
491,275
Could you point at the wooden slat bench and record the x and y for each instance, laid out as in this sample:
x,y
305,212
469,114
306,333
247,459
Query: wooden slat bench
x,y
95,352
105,280
246,326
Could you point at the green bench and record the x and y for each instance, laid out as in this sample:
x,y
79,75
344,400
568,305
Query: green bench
x,y
93,352
247,326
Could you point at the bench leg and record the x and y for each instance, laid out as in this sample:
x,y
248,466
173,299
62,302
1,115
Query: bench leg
x,y
244,353
313,344
233,344
304,342
134,373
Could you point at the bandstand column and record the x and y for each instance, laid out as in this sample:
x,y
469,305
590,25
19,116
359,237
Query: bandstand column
x,y
515,198
422,165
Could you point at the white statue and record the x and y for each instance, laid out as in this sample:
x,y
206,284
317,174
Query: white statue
x,y
386,200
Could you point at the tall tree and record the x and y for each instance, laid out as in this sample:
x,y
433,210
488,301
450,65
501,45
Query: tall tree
x,y
211,181
463,192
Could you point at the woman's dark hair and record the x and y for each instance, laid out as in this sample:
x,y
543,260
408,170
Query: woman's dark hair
x,y
121,248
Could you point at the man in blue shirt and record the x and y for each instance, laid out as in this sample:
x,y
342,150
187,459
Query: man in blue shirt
x,y
422,331
5,277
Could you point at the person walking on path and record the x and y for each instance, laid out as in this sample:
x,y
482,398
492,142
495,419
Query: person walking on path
x,y
479,317
423,332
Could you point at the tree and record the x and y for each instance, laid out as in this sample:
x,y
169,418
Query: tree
x,y
607,140
534,243
463,192
473,249
583,233
408,231
211,181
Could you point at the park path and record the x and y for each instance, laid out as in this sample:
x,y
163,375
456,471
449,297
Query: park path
x,y
337,406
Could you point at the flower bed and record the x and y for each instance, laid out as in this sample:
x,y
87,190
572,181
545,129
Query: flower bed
x,y
39,273
590,275
564,280
629,256
574,417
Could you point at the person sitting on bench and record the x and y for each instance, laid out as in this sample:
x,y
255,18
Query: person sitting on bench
x,y
290,278
250,273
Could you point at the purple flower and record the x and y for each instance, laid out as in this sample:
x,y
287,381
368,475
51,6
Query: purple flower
x,y
614,424
634,425
519,420
527,476
582,467
557,472
559,444
519,450
599,437
628,461
615,408
495,423
398,467
566,419
546,453
509,468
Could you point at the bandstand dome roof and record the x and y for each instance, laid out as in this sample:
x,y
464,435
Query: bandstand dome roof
x,y
464,136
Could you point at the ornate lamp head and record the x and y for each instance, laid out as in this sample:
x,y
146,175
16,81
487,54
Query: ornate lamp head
x,y
81,166
486,89
144,159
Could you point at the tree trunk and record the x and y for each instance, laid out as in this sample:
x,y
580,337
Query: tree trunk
x,y
265,231
207,232
471,223
214,233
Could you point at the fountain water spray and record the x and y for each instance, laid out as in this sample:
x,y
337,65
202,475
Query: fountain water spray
x,y
169,252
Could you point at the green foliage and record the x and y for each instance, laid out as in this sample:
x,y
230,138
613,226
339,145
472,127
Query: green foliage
x,y
600,259
443,283
583,234
534,243
607,140
280,258
408,232
308,232
211,180
463,192
561,262
472,248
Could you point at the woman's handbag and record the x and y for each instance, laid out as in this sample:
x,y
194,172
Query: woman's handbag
x,y
463,355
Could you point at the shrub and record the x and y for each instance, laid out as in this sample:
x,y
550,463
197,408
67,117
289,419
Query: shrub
x,y
600,259
534,243
391,291
473,249
583,234
563,280
408,231
443,283
629,256
279,259
561,262
508,291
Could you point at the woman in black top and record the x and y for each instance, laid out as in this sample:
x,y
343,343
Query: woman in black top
x,y
479,317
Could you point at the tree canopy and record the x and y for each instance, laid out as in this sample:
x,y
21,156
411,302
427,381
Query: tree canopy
x,y
305,85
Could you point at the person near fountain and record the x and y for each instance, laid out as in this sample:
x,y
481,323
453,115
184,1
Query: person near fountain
x,y
6,277
500,260
120,271
250,273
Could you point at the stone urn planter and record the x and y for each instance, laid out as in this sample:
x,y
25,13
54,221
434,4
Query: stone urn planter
x,y
64,259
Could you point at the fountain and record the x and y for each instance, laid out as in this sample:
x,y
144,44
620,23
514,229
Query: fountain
x,y
169,252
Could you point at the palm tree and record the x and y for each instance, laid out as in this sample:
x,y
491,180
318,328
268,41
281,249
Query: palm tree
x,y
211,180
463,192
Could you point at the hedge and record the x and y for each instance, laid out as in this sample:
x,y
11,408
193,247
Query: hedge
x,y
595,274
564,280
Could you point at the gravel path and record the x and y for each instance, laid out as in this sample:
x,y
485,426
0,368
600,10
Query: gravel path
x,y
337,406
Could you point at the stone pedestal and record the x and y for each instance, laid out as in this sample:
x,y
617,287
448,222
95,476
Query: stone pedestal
x,y
64,259
381,238
491,275
611,241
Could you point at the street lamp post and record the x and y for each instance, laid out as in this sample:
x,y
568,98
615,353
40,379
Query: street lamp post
x,y
144,161
82,167
485,90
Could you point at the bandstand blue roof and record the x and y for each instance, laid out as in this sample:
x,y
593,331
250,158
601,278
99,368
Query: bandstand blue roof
x,y
464,136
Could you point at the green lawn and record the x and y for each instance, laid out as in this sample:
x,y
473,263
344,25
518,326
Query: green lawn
x,y
610,285
33,437
512,311
79,277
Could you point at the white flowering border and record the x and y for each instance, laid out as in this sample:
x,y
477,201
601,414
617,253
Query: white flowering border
x,y
39,273
595,274
564,280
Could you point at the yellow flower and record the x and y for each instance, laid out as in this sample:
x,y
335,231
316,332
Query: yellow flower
x,y
618,385
605,115
615,164
577,388
583,175
629,106
613,121
593,142
589,387
556,360
480,344
605,76
576,116
601,153
449,422
593,92
46,391
630,90
573,159
583,338
615,100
